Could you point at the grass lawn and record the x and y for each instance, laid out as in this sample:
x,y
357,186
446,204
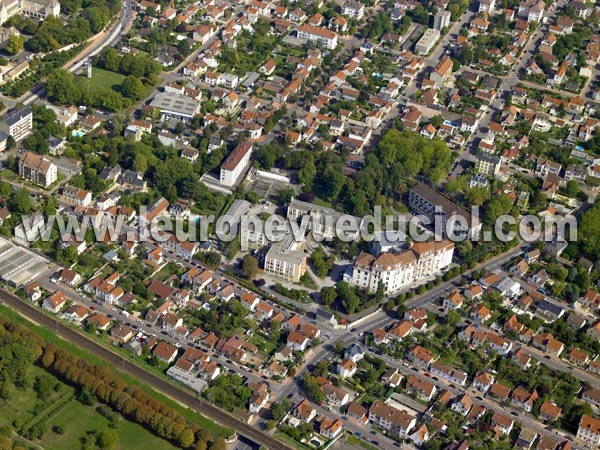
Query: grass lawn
x,y
319,201
105,79
23,402
111,80
8,175
77,419
189,414
353,440
263,344
61,408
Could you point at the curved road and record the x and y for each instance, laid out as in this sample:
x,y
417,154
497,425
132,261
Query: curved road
x,y
161,385
93,46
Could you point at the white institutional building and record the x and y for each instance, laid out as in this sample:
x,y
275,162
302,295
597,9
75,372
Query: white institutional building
x,y
236,164
399,270
39,9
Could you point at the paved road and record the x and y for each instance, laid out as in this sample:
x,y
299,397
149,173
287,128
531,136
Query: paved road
x,y
156,382
107,37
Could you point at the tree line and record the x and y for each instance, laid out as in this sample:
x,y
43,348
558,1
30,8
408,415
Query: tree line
x,y
20,348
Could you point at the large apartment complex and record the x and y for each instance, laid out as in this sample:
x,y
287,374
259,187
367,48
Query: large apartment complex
x,y
427,202
38,169
399,270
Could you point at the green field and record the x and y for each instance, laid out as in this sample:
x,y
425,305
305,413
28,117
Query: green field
x,y
62,408
190,415
105,79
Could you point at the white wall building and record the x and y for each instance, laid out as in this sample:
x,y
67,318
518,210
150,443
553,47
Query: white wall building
x,y
399,270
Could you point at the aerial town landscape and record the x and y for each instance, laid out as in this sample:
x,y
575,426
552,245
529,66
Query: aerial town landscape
x,y
474,121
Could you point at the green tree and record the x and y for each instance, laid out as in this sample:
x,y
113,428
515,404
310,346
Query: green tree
x,y
280,409
21,202
11,143
313,390
572,188
200,445
348,297
453,317
132,87
437,121
106,439
140,163
186,439
111,59
61,87
14,44
328,295
249,266
5,189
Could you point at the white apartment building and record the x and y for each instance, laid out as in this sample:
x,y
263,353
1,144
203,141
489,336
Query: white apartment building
x,y
487,164
228,80
487,5
322,36
38,169
448,373
17,123
391,419
427,41
589,430
353,9
286,260
321,221
441,19
236,164
399,270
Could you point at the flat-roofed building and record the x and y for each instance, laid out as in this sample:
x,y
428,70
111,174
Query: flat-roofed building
x,y
427,41
39,9
286,260
175,106
17,123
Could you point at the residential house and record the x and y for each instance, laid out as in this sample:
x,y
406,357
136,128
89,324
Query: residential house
x,y
55,302
391,419
165,352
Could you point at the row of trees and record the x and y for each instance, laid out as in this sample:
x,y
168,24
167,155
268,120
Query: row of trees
x,y
20,348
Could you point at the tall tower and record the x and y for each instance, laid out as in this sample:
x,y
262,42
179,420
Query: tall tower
x,y
89,68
